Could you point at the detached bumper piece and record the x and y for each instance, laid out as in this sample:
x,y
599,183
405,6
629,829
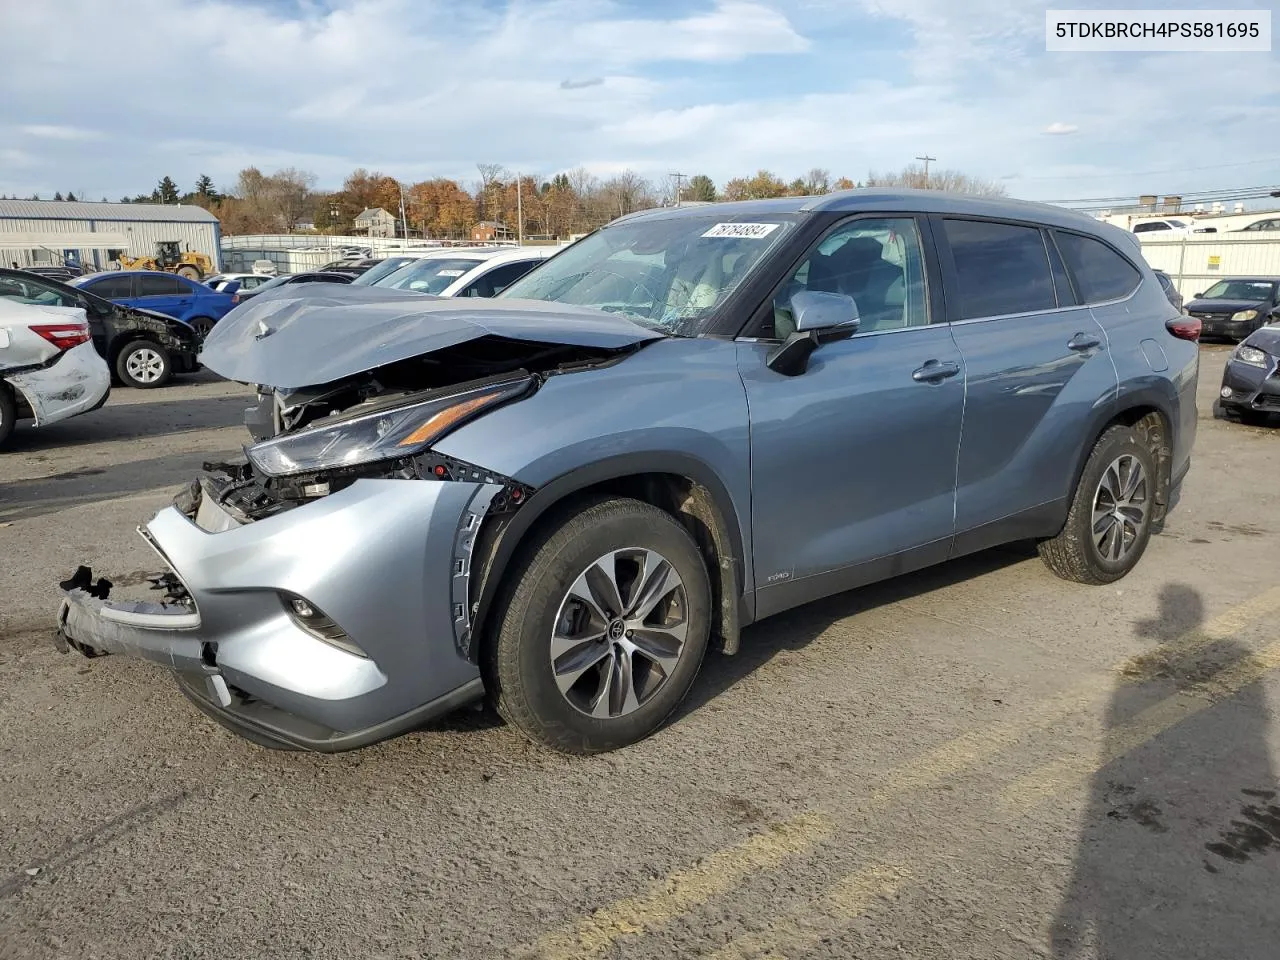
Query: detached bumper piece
x,y
162,632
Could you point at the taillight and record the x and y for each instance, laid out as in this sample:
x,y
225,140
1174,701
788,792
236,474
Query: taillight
x,y
1184,328
64,336
235,298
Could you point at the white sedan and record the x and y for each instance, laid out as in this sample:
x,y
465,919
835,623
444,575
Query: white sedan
x,y
465,272
49,368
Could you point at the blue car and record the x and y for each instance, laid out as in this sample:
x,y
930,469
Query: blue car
x,y
166,293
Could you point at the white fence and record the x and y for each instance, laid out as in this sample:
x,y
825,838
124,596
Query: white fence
x,y
1199,260
296,253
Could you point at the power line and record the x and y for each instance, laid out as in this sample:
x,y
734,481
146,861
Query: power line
x,y
1153,173
1223,193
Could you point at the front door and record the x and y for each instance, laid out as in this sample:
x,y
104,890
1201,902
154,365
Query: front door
x,y
853,461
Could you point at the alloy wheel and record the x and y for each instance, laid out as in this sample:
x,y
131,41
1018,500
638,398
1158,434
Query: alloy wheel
x,y
145,365
619,632
1120,506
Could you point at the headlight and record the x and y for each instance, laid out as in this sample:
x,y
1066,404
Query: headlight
x,y
1250,355
1244,315
384,435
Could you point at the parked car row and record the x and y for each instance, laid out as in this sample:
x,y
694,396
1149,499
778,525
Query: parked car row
x,y
190,301
142,347
50,368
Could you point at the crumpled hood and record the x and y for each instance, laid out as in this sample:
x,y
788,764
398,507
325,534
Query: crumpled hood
x,y
315,333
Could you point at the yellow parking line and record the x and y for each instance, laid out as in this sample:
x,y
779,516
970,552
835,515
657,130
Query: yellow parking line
x,y
1054,776
797,931
722,871
682,891
1152,663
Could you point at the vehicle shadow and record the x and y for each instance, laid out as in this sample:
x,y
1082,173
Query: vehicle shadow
x,y
1178,850
128,421
24,499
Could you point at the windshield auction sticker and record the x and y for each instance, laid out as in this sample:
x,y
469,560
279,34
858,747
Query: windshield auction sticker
x,y
744,231
1152,31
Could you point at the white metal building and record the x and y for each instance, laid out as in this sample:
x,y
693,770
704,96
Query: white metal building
x,y
51,231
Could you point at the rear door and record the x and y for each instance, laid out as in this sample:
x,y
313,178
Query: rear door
x,y
1037,366
853,460
170,295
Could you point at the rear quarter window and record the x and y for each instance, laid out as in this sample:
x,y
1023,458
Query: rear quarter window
x,y
1100,273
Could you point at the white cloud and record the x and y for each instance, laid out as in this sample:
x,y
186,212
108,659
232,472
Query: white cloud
x,y
1060,129
55,132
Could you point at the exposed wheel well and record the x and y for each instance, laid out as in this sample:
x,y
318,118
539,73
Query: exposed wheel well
x,y
1153,427
689,501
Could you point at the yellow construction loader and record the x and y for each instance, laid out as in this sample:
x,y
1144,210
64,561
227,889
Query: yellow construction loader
x,y
172,258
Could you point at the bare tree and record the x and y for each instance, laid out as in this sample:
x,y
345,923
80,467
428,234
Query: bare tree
x,y
817,181
289,194
949,180
627,192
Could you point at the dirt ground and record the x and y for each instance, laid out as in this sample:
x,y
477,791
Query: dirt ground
x,y
977,761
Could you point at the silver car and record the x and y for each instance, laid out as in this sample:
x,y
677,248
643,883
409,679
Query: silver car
x,y
684,423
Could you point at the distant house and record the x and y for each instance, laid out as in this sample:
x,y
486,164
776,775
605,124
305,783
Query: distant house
x,y
375,222
486,231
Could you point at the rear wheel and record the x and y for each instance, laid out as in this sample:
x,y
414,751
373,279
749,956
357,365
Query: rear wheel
x,y
1109,524
144,364
8,414
603,630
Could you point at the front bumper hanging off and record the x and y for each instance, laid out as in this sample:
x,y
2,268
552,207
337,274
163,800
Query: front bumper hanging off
x,y
378,558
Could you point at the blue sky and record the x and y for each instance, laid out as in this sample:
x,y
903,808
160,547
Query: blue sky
x,y
107,104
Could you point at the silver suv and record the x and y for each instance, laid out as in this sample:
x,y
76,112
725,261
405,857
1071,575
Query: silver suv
x,y
688,421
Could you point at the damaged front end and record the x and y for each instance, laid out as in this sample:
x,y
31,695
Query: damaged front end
x,y
319,593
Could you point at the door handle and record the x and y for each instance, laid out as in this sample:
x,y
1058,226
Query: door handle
x,y
935,372
1084,341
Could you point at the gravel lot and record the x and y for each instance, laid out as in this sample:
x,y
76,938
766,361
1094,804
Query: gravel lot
x,y
975,761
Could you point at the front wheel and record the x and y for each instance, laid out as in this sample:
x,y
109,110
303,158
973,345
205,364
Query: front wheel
x,y
201,325
144,364
1109,524
188,271
603,630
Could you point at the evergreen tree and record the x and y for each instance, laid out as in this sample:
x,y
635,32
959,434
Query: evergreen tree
x,y
70,197
166,191
58,195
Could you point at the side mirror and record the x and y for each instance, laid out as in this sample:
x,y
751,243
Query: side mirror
x,y
819,318
815,310
1197,296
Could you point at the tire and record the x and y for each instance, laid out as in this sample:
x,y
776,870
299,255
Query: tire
x,y
1079,554
521,677
8,414
144,364
201,325
188,271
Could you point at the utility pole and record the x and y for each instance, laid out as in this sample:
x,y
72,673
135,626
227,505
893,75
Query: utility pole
x,y
677,177
519,210
926,160
404,226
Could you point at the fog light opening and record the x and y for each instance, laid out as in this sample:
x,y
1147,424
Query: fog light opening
x,y
1226,392
314,621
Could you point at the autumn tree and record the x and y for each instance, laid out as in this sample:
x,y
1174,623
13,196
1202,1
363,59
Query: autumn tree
x,y
953,181
760,187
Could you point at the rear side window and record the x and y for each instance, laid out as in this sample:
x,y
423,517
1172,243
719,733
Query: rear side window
x,y
1001,268
1101,274
498,279
149,286
113,288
